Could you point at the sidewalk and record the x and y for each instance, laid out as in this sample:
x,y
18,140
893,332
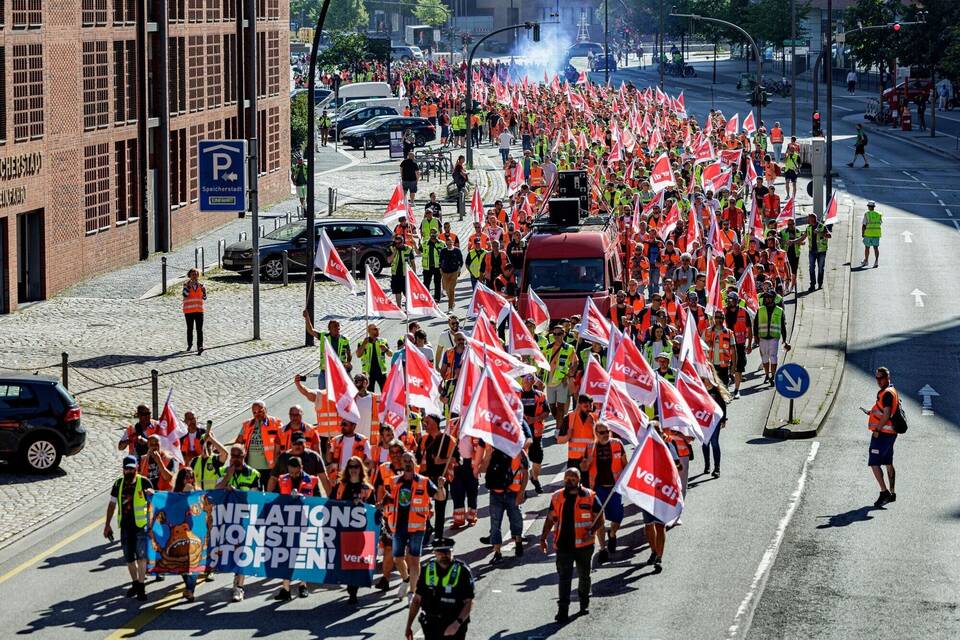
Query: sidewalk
x,y
114,338
944,145
819,337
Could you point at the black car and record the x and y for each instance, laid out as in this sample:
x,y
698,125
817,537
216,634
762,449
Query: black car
x,y
376,132
370,239
361,116
39,422
601,62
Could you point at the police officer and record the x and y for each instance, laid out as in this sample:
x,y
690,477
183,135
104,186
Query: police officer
x,y
445,596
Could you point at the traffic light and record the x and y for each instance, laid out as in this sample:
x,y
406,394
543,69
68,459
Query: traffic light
x,y
817,129
896,27
536,32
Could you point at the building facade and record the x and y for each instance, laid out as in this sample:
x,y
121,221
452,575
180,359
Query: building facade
x,y
104,103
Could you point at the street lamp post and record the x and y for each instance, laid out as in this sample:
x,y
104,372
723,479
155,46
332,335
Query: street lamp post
x,y
756,50
606,42
311,151
536,38
660,46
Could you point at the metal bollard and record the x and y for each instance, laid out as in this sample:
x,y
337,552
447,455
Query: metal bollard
x,y
460,204
155,391
163,274
286,267
196,257
203,261
329,201
355,262
276,223
65,369
261,231
221,245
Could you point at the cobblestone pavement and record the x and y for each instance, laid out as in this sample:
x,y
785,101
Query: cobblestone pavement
x,y
114,338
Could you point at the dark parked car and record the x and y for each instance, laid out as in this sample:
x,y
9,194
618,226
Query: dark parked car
x,y
39,422
362,116
376,132
370,239
600,61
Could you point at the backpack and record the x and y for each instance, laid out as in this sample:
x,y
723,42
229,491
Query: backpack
x,y
898,420
499,473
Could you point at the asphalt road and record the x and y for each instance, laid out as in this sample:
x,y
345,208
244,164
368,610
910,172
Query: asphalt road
x,y
753,557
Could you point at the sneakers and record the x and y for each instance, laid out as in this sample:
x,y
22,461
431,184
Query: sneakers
x,y
383,584
537,486
283,595
653,559
497,558
716,473
237,594
302,591
863,264
484,539
519,548
133,590
402,590
706,469
883,499
585,606
141,592
893,497
736,394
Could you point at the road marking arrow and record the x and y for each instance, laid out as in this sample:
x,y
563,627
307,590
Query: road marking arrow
x,y
917,297
927,393
907,237
792,385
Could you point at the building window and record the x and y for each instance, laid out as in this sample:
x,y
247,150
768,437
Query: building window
x,y
262,140
273,63
94,13
231,128
273,139
27,92
178,166
195,10
214,70
175,11
3,93
229,10
261,65
96,103
124,81
196,134
126,185
214,130
177,75
273,9
124,11
213,10
27,14
197,63
230,68
96,189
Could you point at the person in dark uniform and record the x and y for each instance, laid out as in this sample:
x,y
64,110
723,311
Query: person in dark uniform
x,y
444,597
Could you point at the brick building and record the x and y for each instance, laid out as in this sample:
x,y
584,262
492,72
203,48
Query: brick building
x,y
103,104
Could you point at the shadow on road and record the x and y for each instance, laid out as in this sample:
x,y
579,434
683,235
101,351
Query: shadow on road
x,y
847,518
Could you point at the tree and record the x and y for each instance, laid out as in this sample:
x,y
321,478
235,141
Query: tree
x,y
346,15
346,50
875,47
299,114
431,12
305,11
924,45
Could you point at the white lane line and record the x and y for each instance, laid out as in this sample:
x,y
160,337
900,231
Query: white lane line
x,y
837,106
949,213
934,194
956,223
744,616
939,200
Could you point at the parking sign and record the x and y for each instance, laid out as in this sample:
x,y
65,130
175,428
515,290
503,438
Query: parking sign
x,y
223,175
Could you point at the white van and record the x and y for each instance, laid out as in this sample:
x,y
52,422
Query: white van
x,y
358,91
397,103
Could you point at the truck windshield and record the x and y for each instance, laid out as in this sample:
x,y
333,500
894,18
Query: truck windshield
x,y
559,275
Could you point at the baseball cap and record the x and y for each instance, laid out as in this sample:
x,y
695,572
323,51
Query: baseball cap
x,y
297,437
129,462
871,203
664,354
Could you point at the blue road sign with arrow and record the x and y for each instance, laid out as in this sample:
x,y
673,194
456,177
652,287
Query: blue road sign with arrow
x,y
792,380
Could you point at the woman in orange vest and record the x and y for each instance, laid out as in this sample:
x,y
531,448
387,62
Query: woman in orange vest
x,y
720,347
355,487
194,294
607,460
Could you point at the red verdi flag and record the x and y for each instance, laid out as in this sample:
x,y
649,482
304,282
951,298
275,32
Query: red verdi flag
x,y
423,381
537,310
419,301
476,206
493,357
330,264
832,215
521,341
670,222
786,214
749,126
397,207
492,419
622,415
483,332
631,372
489,301
692,346
747,288
379,304
595,381
703,407
593,327
662,175
340,388
171,429
733,125
394,398
674,412
651,480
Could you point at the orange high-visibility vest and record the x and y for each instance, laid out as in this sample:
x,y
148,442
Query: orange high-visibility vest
x,y
719,340
582,516
336,453
308,485
616,462
193,301
269,434
581,435
420,506
875,419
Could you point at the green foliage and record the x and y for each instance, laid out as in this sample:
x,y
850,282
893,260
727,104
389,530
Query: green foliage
x,y
769,20
926,45
346,15
299,114
431,12
950,63
874,47
345,50
310,9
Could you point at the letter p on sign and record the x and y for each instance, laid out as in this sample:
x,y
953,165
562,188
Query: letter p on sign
x,y
221,163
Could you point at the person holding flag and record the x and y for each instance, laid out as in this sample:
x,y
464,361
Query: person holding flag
x,y
575,516
340,343
400,257
738,321
373,352
605,461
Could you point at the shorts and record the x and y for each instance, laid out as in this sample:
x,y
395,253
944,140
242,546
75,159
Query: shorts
x,y
302,191
741,358
881,449
536,450
398,284
404,541
649,518
613,512
790,176
794,262
768,350
133,544
871,242
859,150
409,185
558,394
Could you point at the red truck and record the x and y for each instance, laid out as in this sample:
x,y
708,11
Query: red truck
x,y
569,264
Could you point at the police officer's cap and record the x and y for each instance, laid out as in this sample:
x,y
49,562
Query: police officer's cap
x,y
871,203
130,462
446,545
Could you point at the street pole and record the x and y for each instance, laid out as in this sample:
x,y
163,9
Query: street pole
x,y
469,97
829,60
311,152
250,83
660,45
606,42
793,67
746,35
